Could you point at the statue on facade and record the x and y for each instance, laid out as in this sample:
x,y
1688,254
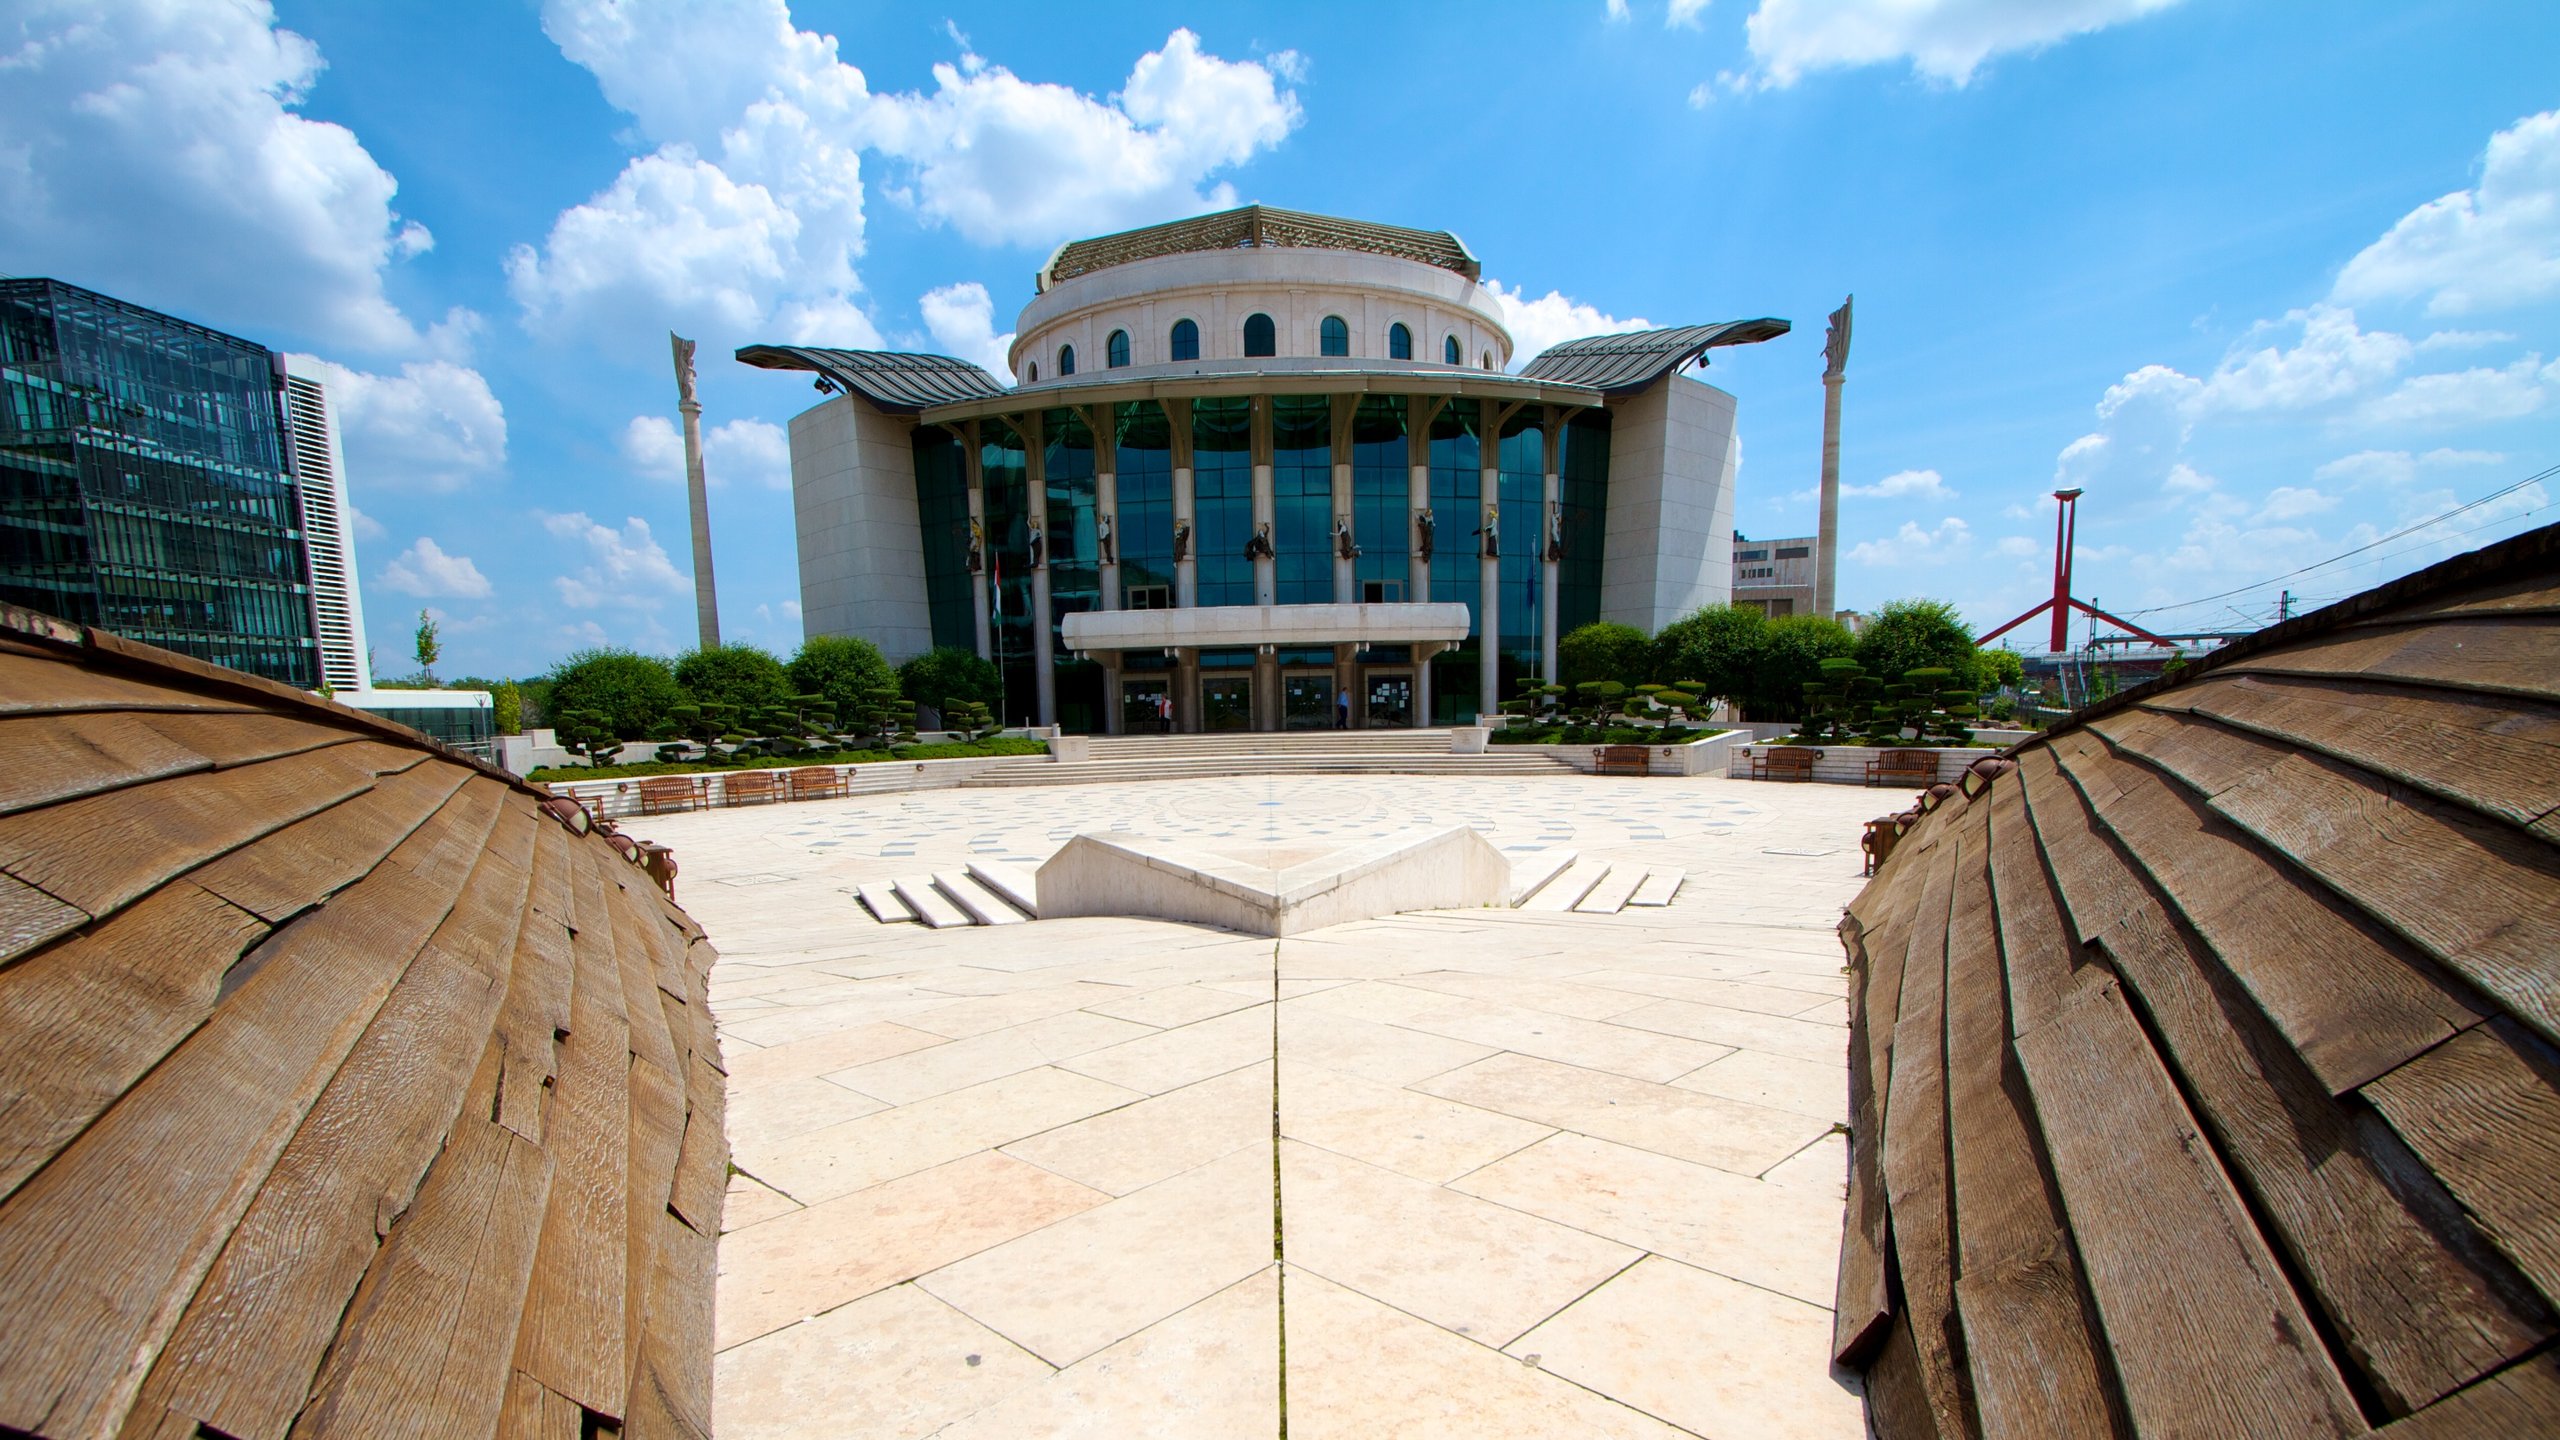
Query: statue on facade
x,y
977,546
1492,532
1422,533
1555,531
1343,545
1102,541
1181,541
1257,546
1835,344
1039,547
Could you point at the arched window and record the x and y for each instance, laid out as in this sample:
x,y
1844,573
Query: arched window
x,y
1488,359
1115,351
1399,342
1186,340
1066,361
1035,374
1261,337
1333,337
1449,352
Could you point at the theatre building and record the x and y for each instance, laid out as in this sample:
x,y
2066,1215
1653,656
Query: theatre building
x,y
1254,462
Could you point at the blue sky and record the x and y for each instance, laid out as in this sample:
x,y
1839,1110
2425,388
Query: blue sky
x,y
2271,281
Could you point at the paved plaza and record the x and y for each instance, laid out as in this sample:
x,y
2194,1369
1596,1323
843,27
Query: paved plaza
x,y
1533,1174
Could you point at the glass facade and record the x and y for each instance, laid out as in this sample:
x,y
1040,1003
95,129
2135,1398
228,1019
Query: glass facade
x,y
1222,499
1333,337
1186,340
1381,489
144,486
1005,472
1302,499
1115,351
1075,580
1145,534
1584,490
942,510
1399,342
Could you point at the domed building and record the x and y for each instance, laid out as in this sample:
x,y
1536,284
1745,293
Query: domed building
x,y
1251,463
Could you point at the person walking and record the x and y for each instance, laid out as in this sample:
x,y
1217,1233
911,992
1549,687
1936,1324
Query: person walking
x,y
1341,709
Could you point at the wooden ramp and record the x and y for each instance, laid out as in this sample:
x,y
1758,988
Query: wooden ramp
x,y
2203,1068
345,1090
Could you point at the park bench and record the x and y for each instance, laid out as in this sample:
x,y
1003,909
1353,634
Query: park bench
x,y
1784,762
1620,760
669,792
1903,767
748,787
817,782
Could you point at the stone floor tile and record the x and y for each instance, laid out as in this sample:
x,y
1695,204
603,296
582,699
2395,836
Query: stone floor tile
x,y
1592,1044
1774,1236
1204,1373
956,1064
814,1259
959,1019
749,1201
1137,1145
1732,994
1710,1354
1175,1005
814,1022
1830,1012
896,1365
1823,1044
805,1059
1777,1081
1413,1134
1464,1264
1822,1166
1377,1000
1383,1053
793,1107
1170,1059
1556,997
841,1159
1359,1370
1087,1282
1708,1129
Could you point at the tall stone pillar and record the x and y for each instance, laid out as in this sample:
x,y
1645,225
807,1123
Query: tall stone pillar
x,y
1826,548
1035,462
1106,512
1266,688
1345,681
706,601
1112,720
973,465
1186,690
1422,653
1186,534
1346,570
1420,411
1266,569
1489,558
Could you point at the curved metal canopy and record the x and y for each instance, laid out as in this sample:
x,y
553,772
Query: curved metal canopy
x,y
1616,364
890,380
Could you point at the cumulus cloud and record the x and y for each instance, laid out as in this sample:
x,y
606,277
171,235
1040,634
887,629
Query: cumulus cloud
x,y
2495,246
1949,541
2398,467
625,567
1944,40
435,427
1551,319
2332,360
754,452
1616,10
424,569
160,145
2467,397
1905,485
2292,502
1685,13
962,321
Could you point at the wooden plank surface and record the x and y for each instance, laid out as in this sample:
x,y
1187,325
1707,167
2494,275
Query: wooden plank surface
x,y
2501,656
656,1127
1862,1294
37,684
2517,1402
535,1411
2046,967
1915,1153
302,864
702,1163
2207,1336
63,756
2418,1319
2483,1112
671,1387
30,918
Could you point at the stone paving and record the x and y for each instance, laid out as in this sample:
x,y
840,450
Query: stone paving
x,y
1531,1175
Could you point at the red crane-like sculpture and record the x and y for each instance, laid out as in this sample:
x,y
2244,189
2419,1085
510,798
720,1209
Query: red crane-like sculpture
x,y
2066,527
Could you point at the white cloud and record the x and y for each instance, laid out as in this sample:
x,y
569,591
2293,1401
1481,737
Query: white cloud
x,y
1290,65
755,452
156,148
626,567
2017,547
435,427
2292,502
961,319
1905,485
2332,361
363,526
1950,541
1550,320
1616,10
2397,467
2463,340
2467,397
425,569
1701,95
1944,40
2185,479
1685,13
2493,247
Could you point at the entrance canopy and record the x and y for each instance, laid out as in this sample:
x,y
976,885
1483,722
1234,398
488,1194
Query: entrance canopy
x,y
1293,626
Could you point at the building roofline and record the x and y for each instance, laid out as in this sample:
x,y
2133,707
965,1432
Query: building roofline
x,y
1620,364
1256,226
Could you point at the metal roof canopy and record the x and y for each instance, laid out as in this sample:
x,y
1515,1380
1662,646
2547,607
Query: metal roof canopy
x,y
1102,390
1253,226
1616,364
890,380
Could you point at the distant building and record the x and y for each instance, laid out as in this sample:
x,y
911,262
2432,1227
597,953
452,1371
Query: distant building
x,y
1250,463
463,719
172,484
1774,577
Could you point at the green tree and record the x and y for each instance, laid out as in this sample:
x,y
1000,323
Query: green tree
x,y
945,674
535,692
625,692
843,668
2006,668
506,708
1791,654
1909,635
1718,648
1604,650
429,648
745,678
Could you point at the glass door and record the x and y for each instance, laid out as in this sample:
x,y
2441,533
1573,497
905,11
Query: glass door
x,y
1146,707
1226,702
1306,700
1390,701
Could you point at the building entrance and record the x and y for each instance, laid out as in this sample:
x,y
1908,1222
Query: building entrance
x,y
1306,700
1390,701
1226,702
1146,707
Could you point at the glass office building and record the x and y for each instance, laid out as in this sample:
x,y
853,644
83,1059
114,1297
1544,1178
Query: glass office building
x,y
1259,504
146,482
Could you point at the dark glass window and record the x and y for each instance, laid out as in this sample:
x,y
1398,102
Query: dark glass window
x,y
1115,351
1302,499
1457,482
1186,340
1035,372
1075,576
1222,499
1333,337
1066,361
1488,360
1399,342
1004,469
1585,491
1381,494
942,507
1145,527
1449,351
1261,337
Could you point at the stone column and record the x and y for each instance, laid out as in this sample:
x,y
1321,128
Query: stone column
x,y
973,463
1035,465
1420,411
1422,654
1106,506
1345,672
1186,571
1266,570
1266,688
706,604
1186,690
1826,543
1346,572
1550,571
1112,723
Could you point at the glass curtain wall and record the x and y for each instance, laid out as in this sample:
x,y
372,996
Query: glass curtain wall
x,y
1524,462
1584,489
1302,498
1004,470
1381,488
1222,498
1145,533
1457,511
942,510
1075,581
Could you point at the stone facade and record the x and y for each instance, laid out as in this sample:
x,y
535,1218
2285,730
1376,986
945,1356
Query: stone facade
x,y
853,504
1671,462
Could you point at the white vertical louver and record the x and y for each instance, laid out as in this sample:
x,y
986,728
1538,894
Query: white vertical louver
x,y
337,610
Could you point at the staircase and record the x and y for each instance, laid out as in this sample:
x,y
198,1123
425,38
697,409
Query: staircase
x,y
1298,752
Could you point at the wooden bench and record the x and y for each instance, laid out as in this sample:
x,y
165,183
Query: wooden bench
x,y
1784,762
817,782
1903,767
1621,760
668,792
748,787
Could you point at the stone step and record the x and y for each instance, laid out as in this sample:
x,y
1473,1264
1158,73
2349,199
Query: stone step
x,y
885,904
1658,888
1019,887
981,904
1610,895
1530,872
931,906
1566,890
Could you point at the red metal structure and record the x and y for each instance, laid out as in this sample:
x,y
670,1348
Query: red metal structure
x,y
2066,526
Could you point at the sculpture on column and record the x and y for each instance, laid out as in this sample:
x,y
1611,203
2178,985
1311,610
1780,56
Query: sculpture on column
x,y
706,605
1039,547
1257,546
1343,545
977,546
1102,541
1826,544
1422,533
1492,532
1555,531
1181,541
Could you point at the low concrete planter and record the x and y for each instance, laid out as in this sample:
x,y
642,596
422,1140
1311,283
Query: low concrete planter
x,y
619,798
1702,756
1067,749
1847,764
1469,739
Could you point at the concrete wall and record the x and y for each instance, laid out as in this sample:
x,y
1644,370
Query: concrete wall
x,y
1669,539
853,504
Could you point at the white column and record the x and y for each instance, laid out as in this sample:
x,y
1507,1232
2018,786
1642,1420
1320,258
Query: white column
x,y
1422,684
1489,573
1346,573
1266,570
1186,570
1106,512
